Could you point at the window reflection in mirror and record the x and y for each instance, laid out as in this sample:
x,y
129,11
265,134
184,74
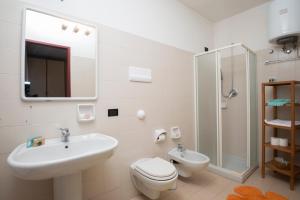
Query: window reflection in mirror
x,y
60,57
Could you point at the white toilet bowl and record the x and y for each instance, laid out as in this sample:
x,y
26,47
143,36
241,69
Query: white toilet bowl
x,y
187,161
152,175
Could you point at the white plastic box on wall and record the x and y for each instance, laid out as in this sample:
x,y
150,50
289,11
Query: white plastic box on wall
x,y
86,112
284,18
137,74
175,132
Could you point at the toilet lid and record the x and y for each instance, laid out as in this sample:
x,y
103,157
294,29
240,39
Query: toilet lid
x,y
156,168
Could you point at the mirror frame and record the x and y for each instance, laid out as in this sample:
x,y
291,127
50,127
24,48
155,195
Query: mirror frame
x,y
23,43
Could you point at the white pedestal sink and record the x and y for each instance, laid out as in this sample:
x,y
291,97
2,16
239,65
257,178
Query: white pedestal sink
x,y
62,161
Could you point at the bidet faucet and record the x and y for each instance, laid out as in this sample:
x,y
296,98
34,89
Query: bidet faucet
x,y
65,133
180,148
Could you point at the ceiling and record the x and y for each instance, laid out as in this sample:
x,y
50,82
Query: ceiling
x,y
216,10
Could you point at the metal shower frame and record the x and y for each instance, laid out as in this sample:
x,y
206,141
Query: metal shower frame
x,y
219,169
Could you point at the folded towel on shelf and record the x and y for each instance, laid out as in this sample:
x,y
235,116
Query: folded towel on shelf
x,y
280,102
280,122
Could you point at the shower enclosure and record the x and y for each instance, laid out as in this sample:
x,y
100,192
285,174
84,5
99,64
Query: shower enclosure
x,y
226,110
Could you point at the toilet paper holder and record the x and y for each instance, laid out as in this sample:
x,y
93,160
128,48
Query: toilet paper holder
x,y
159,135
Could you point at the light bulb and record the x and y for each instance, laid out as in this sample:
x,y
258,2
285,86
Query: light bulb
x,y
76,29
64,27
87,32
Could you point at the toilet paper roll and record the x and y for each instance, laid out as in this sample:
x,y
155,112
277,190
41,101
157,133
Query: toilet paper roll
x,y
161,138
283,142
274,141
159,135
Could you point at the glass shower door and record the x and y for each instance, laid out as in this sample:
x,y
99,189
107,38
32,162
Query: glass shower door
x,y
207,105
253,110
234,111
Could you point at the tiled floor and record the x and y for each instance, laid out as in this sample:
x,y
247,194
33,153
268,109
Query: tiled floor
x,y
208,186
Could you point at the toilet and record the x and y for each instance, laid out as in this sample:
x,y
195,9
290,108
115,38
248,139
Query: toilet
x,y
151,176
188,161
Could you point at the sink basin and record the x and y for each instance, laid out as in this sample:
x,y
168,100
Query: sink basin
x,y
56,158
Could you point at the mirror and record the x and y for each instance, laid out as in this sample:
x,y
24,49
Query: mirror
x,y
59,58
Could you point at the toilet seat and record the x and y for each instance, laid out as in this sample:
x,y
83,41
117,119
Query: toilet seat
x,y
151,176
156,169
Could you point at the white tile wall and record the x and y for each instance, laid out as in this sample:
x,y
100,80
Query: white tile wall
x,y
168,101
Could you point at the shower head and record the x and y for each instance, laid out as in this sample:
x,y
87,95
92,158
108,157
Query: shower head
x,y
233,93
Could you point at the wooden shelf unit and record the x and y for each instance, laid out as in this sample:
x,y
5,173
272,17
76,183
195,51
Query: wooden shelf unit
x,y
287,149
292,149
280,83
283,171
286,105
281,127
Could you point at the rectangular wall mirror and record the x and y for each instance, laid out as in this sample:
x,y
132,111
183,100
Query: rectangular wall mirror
x,y
59,58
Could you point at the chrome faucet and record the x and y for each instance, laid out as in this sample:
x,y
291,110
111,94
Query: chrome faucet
x,y
65,133
180,148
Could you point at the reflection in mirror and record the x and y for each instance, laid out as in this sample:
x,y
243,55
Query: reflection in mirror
x,y
59,58
48,69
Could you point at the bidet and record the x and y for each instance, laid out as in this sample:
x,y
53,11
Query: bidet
x,y
187,161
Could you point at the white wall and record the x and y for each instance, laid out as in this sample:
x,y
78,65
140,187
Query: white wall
x,y
165,21
249,27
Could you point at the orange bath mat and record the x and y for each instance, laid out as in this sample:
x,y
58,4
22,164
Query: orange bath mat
x,y
253,193
275,196
247,191
235,197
